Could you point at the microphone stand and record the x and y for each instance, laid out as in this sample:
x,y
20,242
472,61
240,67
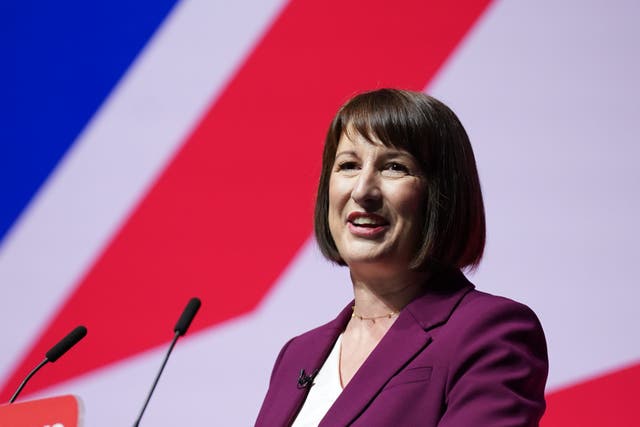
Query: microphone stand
x,y
153,387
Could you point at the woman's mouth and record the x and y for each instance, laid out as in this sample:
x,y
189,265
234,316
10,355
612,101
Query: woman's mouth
x,y
365,224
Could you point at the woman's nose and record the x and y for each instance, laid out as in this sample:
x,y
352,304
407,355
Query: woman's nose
x,y
366,190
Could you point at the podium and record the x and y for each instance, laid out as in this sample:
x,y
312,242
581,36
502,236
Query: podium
x,y
60,411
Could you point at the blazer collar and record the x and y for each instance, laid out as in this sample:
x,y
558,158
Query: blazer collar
x,y
406,338
440,298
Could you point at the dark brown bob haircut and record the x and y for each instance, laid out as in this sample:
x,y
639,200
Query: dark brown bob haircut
x,y
453,233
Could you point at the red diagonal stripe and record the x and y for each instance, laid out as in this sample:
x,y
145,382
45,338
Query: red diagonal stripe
x,y
235,204
609,400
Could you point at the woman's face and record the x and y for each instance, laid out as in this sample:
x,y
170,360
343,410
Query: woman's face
x,y
376,200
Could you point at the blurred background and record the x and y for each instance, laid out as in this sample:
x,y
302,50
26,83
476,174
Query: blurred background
x,y
151,151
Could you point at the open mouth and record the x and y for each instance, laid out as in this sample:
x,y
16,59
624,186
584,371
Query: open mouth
x,y
366,224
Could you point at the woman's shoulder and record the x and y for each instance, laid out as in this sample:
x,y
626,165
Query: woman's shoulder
x,y
466,323
496,345
453,293
488,325
494,311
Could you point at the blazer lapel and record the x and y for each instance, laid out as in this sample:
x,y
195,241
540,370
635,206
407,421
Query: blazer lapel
x,y
408,336
308,352
404,340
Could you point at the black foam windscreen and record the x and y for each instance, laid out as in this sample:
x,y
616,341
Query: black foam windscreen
x,y
66,343
187,316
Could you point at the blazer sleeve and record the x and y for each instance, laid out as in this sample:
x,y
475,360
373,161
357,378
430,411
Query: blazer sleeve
x,y
271,399
497,377
279,359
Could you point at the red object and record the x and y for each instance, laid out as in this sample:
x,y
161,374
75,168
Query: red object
x,y
60,411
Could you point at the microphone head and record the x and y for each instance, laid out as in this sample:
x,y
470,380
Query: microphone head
x,y
187,316
66,343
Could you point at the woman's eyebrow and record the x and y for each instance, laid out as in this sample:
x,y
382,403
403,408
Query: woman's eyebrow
x,y
344,152
399,153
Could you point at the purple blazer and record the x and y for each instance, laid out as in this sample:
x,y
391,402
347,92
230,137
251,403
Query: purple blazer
x,y
453,357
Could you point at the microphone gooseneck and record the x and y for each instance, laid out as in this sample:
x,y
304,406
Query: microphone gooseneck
x,y
180,329
28,377
54,354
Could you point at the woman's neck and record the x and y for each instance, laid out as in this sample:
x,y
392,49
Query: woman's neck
x,y
378,299
382,294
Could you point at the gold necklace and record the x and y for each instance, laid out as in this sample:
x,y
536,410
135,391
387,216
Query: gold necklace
x,y
372,318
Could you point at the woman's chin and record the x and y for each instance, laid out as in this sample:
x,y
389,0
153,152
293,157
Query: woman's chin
x,y
379,260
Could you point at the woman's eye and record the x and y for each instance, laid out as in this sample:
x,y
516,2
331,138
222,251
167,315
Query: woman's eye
x,y
347,166
397,167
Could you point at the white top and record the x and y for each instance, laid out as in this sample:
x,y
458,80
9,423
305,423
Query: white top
x,y
325,390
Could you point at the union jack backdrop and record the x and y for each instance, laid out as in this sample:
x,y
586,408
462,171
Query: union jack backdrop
x,y
156,150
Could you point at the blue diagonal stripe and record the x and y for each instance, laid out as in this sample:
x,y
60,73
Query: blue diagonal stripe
x,y
59,61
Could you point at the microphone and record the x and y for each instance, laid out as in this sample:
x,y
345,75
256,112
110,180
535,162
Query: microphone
x,y
306,381
54,354
179,330
66,343
188,314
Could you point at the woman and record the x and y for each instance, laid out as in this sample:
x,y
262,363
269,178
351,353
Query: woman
x,y
399,203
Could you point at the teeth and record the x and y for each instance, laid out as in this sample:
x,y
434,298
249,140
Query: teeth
x,y
363,220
